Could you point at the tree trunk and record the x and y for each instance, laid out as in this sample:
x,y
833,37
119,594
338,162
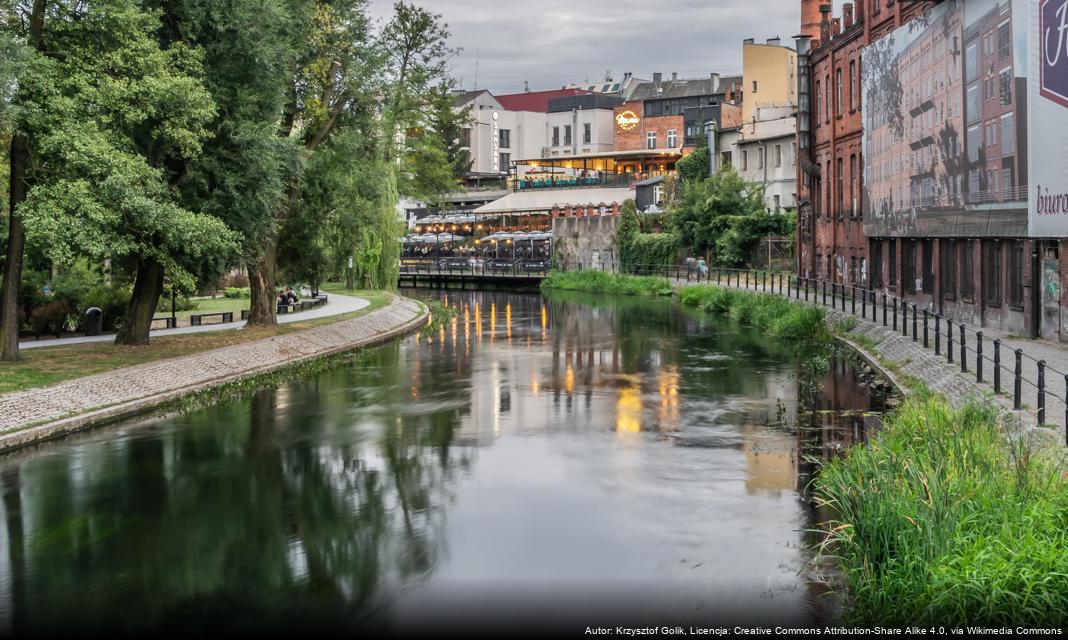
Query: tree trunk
x,y
142,307
263,308
16,242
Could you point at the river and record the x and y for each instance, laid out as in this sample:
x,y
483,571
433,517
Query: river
x,y
565,460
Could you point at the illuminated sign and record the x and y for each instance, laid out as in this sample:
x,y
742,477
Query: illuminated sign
x,y
496,143
627,120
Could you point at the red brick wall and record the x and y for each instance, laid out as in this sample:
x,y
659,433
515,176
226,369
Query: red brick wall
x,y
634,139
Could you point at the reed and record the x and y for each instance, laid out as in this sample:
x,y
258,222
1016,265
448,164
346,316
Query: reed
x,y
776,317
608,283
940,519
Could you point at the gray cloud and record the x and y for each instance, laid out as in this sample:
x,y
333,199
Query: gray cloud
x,y
550,43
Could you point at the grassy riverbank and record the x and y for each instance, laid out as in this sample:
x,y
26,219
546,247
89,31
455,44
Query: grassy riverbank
x,y
940,520
607,283
776,317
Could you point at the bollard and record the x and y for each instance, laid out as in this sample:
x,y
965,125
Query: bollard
x,y
978,356
938,334
997,366
884,309
1041,392
1016,382
914,332
949,341
925,328
963,350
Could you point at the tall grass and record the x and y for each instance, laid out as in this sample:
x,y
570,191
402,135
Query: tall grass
x,y
610,283
940,519
776,317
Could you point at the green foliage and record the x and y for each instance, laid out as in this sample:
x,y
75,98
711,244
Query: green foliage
x,y
609,283
724,217
638,251
236,293
695,167
940,520
793,324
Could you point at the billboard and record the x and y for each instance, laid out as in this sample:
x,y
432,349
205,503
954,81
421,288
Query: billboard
x,y
945,108
1049,119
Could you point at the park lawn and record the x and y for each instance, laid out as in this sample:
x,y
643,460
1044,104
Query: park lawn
x,y
50,365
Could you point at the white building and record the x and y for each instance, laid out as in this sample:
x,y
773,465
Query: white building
x,y
764,151
495,134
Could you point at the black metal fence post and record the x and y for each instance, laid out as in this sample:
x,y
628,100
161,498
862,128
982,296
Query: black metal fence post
x,y
895,316
1041,392
824,292
904,318
864,304
853,299
766,281
884,309
963,350
1016,383
978,356
938,334
914,332
949,341
925,329
997,366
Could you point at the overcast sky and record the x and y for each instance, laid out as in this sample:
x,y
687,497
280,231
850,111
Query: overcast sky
x,y
550,43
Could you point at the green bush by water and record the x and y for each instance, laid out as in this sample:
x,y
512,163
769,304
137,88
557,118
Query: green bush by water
x,y
940,519
776,317
610,283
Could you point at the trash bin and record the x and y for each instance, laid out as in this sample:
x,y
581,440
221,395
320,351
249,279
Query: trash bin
x,y
94,321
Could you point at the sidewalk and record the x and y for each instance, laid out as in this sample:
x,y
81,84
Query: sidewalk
x,y
910,358
337,305
37,414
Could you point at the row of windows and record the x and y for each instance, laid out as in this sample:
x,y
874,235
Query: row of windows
x,y
957,269
823,94
760,153
672,139
587,135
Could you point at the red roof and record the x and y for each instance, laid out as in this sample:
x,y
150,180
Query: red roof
x,y
536,100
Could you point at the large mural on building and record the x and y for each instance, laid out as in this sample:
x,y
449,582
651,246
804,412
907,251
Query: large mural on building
x,y
945,144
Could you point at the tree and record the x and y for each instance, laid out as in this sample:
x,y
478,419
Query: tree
x,y
112,115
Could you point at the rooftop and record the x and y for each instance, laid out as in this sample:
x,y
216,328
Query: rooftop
x,y
545,200
536,100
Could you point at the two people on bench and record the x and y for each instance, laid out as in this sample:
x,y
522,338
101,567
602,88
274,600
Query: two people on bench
x,y
287,297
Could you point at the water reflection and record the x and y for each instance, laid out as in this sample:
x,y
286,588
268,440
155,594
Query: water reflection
x,y
536,457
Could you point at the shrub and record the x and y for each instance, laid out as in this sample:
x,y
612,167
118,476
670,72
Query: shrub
x,y
237,292
52,318
777,317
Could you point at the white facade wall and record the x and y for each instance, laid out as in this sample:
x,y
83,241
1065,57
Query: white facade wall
x,y
602,132
527,134
764,151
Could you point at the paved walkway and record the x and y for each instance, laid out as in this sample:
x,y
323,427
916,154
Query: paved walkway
x,y
78,403
338,305
910,358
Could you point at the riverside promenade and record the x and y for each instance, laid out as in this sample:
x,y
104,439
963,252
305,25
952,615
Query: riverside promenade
x,y
38,414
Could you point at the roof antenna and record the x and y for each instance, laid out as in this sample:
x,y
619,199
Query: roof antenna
x,y
476,69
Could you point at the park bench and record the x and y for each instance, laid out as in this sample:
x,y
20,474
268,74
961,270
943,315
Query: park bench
x,y
168,322
198,319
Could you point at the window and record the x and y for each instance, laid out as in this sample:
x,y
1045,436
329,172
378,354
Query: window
x,y
760,157
1004,40
1008,134
971,63
754,86
838,92
567,134
778,155
971,105
967,272
587,133
505,136
852,186
726,159
892,270
853,85
1005,87
505,159
673,138
928,266
1016,267
827,99
556,136
991,273
818,103
650,140
947,254
745,160
777,203
876,264
908,265
841,190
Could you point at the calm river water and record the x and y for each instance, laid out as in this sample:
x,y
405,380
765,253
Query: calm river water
x,y
559,460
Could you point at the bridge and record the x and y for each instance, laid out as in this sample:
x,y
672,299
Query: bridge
x,y
520,273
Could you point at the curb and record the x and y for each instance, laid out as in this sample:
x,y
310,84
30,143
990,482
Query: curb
x,y
114,413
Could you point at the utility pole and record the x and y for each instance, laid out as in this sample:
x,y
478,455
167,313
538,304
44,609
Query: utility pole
x,y
713,150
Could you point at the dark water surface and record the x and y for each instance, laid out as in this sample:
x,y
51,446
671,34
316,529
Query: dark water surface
x,y
564,460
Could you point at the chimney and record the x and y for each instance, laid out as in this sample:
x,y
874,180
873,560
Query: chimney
x,y
810,18
836,27
657,79
774,42
748,41
526,86
715,82
858,13
847,13
825,23
674,76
